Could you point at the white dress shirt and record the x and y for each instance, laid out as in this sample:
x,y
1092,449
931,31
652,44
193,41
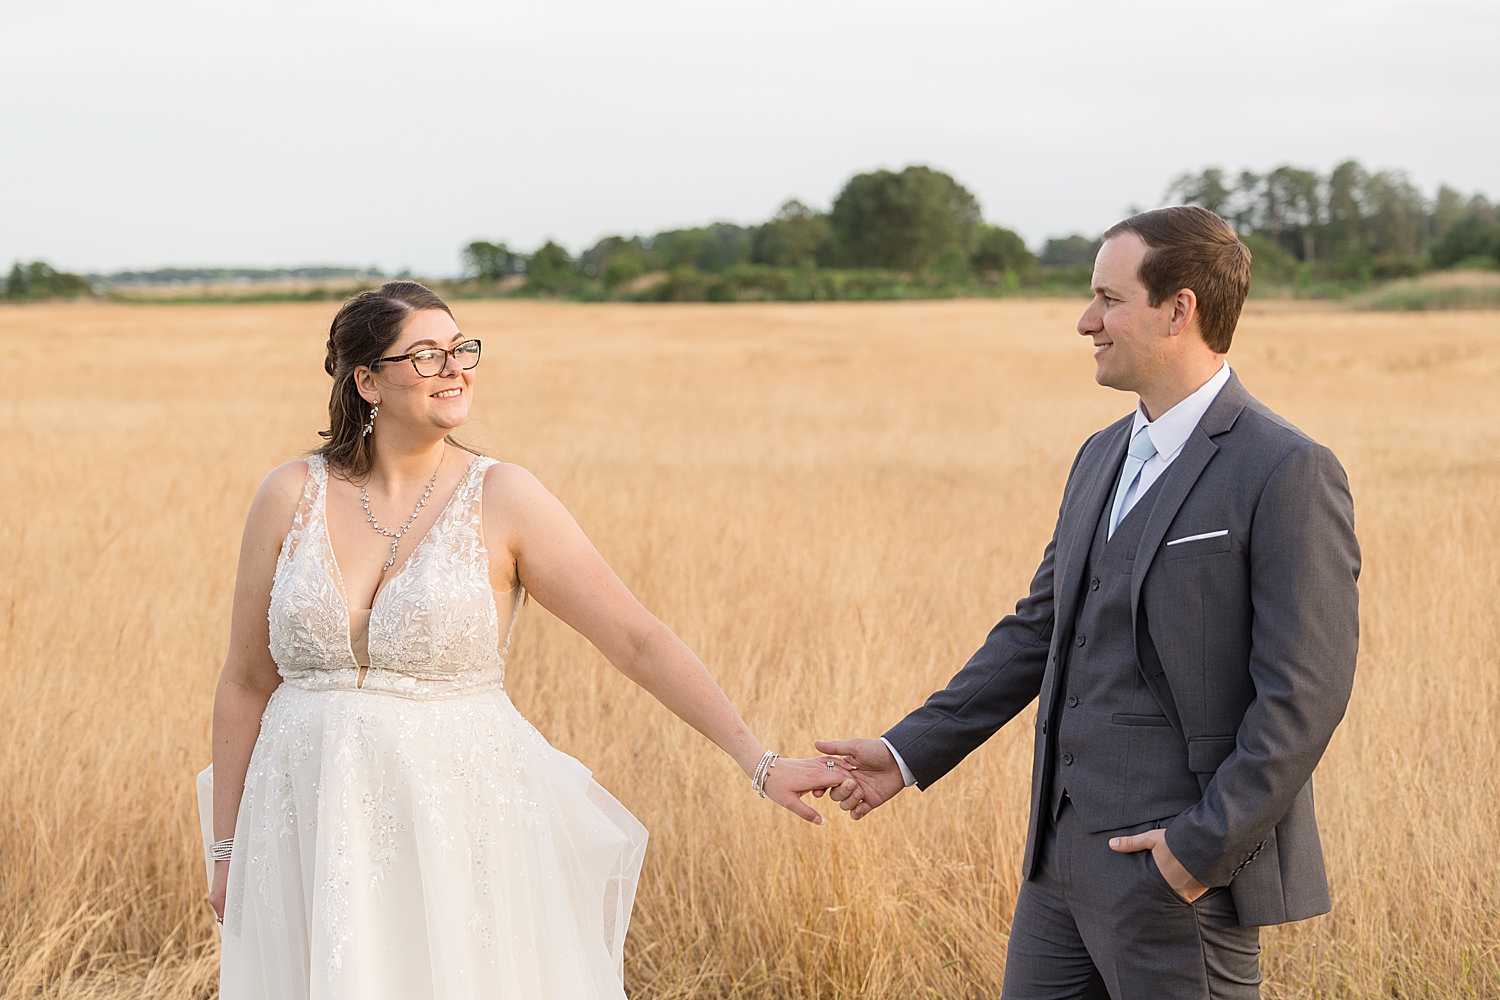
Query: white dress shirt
x,y
1169,433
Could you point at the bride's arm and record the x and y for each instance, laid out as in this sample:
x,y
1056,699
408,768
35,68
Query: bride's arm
x,y
249,675
563,571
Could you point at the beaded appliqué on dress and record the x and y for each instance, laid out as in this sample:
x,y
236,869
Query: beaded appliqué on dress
x,y
434,628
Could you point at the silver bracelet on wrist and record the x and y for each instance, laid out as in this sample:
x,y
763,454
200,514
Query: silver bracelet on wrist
x,y
221,850
762,772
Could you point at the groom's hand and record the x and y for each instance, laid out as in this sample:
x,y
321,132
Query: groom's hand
x,y
1179,878
875,780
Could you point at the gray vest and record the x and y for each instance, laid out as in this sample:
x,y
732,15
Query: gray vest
x,y
1114,754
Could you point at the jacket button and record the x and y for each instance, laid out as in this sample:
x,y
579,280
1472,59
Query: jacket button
x,y
1083,640
1072,701
1094,583
1067,758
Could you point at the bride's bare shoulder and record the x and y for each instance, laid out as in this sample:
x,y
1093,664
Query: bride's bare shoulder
x,y
286,481
279,494
512,488
507,479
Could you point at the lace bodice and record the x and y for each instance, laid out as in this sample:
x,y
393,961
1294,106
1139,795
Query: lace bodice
x,y
434,630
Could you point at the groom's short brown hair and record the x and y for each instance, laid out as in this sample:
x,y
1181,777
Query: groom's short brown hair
x,y
1191,247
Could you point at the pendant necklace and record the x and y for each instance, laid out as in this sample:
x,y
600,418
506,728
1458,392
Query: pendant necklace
x,y
395,536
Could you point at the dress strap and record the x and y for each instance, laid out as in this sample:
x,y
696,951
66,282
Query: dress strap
x,y
313,488
473,486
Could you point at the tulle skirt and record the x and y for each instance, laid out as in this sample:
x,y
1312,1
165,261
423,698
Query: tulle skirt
x,y
407,849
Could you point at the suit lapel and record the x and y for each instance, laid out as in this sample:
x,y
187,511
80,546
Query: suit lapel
x,y
1078,535
1182,475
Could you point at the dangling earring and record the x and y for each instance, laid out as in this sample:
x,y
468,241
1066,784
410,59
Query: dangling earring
x,y
370,427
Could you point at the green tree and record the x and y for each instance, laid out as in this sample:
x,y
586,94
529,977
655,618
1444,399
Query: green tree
x,y
1394,213
40,280
1293,208
550,269
796,236
623,267
1473,238
712,248
1070,251
1345,210
902,221
1448,209
1268,261
1000,249
1206,189
489,261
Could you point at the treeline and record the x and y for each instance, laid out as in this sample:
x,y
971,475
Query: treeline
x,y
1350,224
39,280
913,233
920,233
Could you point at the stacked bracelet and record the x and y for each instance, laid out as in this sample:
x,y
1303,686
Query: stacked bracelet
x,y
762,772
221,850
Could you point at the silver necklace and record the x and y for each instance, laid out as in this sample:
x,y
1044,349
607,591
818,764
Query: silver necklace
x,y
395,536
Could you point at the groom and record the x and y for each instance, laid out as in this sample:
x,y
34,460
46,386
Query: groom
x,y
1190,637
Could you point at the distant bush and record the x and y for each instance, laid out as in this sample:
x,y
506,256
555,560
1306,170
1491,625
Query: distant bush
x,y
1476,235
491,261
1269,264
550,270
1070,251
39,280
903,222
796,236
999,249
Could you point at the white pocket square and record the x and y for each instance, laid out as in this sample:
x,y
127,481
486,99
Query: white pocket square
x,y
1198,538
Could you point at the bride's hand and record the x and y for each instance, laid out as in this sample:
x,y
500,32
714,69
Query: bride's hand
x,y
793,778
219,889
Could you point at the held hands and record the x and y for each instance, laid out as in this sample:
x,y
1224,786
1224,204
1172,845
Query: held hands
x,y
793,778
874,777
1179,878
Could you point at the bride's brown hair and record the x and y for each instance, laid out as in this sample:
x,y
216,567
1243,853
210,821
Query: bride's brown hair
x,y
366,327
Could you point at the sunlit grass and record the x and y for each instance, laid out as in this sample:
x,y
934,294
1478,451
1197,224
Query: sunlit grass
x,y
831,504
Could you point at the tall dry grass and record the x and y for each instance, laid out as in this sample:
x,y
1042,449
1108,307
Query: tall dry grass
x,y
831,504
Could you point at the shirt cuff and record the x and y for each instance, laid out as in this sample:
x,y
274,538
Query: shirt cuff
x,y
906,774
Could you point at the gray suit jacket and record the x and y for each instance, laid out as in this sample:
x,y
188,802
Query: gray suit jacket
x,y
1247,640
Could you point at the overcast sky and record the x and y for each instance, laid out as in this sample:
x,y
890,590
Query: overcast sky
x,y
270,133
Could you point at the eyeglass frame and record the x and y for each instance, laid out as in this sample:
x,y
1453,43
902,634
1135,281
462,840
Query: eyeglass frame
x,y
450,352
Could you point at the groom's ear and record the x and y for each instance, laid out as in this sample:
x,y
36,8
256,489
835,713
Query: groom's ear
x,y
1184,317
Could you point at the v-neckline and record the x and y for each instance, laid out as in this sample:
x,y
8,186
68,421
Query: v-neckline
x,y
463,481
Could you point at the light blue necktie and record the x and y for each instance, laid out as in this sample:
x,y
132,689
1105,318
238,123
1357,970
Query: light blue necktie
x,y
1141,450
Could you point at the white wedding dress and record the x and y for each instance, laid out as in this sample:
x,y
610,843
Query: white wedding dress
x,y
414,837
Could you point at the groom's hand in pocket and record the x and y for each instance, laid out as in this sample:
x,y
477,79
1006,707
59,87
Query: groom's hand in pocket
x,y
875,780
1179,878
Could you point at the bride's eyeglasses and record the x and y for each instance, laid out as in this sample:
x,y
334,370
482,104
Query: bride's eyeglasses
x,y
431,361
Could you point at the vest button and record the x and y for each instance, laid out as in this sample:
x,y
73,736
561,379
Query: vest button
x,y
1072,701
1094,583
1067,758
1083,640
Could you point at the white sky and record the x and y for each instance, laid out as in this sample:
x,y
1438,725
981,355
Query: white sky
x,y
153,133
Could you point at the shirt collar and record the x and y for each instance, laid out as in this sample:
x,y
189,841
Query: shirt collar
x,y
1170,431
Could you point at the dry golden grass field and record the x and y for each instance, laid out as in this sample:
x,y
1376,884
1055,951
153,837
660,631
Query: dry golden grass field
x,y
831,504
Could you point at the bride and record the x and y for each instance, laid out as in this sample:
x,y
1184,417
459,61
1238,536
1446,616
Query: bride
x,y
384,822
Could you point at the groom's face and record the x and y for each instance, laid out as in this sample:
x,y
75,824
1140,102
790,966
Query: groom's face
x,y
1130,335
